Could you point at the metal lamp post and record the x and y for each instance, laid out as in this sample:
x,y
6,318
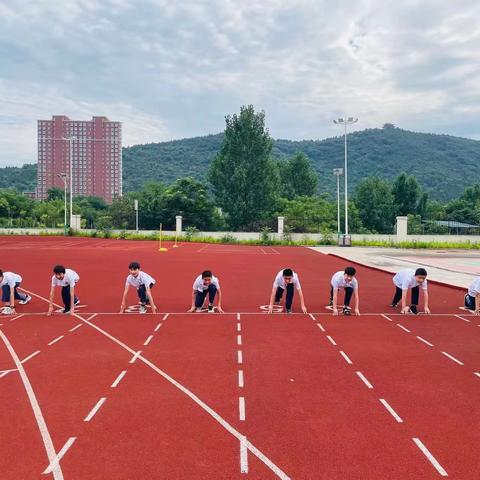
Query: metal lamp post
x,y
71,140
338,172
63,176
346,121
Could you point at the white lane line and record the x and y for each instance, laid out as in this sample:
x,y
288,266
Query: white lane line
x,y
238,316
59,456
55,340
425,341
239,327
135,356
74,328
239,356
430,457
364,380
241,383
94,315
320,326
312,317
218,418
345,356
387,318
464,319
148,340
18,316
157,328
241,408
243,455
239,339
403,328
117,380
30,356
452,358
166,316
332,341
6,372
392,412
42,426
95,409
477,374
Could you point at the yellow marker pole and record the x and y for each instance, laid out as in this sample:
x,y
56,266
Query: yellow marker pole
x,y
160,248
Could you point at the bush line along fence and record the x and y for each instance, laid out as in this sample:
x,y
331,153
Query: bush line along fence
x,y
266,237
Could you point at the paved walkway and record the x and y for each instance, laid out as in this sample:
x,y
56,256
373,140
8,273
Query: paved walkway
x,y
455,267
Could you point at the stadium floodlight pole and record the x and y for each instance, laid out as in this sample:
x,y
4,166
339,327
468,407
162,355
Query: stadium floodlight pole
x,y
346,121
71,140
338,172
63,176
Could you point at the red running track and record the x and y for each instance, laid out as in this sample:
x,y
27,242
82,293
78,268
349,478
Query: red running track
x,y
232,396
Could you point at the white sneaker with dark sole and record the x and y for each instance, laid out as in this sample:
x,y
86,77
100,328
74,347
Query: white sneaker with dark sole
x,y
24,302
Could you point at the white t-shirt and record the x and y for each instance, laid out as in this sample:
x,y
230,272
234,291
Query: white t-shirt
x,y
338,281
198,283
405,279
280,282
142,278
10,279
474,288
69,279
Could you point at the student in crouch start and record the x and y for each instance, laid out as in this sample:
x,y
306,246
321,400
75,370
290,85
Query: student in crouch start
x,y
286,280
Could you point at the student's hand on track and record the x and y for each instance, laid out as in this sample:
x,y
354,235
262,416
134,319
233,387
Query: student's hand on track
x,y
191,310
122,308
476,312
405,310
270,309
12,311
427,310
335,311
357,312
50,311
72,312
154,309
220,309
304,309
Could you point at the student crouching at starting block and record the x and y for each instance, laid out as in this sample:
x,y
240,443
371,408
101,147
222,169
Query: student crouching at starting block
x,y
409,279
287,280
206,284
144,283
67,279
472,297
10,282
346,281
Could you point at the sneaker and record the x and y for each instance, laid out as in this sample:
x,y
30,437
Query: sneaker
x,y
288,310
277,303
413,309
24,302
143,309
330,303
7,310
347,311
199,309
65,310
211,309
76,301
394,305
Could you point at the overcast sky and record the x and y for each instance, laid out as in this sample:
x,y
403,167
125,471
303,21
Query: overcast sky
x,y
171,70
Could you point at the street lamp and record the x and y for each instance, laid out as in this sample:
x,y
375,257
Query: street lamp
x,y
71,140
64,176
346,121
338,172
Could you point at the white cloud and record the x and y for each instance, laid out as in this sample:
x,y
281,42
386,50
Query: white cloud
x,y
174,69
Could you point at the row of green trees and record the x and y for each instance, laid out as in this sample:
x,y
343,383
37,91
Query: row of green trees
x,y
247,189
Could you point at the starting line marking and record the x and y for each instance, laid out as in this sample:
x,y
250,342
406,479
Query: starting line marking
x,y
386,318
59,456
238,316
430,457
166,316
241,408
243,455
74,328
452,358
95,409
392,412
55,340
461,318
364,380
345,356
312,317
30,356
424,341
117,381
148,340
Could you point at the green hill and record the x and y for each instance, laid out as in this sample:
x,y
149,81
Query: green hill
x,y
443,164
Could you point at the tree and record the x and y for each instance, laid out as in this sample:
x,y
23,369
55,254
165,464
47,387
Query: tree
x,y
122,211
151,199
243,175
374,201
55,193
310,214
298,177
406,194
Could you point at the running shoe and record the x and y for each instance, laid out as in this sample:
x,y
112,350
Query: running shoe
x,y
211,308
347,311
413,309
143,309
24,302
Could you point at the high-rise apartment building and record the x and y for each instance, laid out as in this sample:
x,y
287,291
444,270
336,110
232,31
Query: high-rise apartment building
x,y
92,148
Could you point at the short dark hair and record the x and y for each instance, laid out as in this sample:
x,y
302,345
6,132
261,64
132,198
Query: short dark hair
x,y
421,271
134,266
288,272
58,269
206,274
350,271
1,273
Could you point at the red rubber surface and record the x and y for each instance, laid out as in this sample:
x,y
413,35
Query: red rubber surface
x,y
306,409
